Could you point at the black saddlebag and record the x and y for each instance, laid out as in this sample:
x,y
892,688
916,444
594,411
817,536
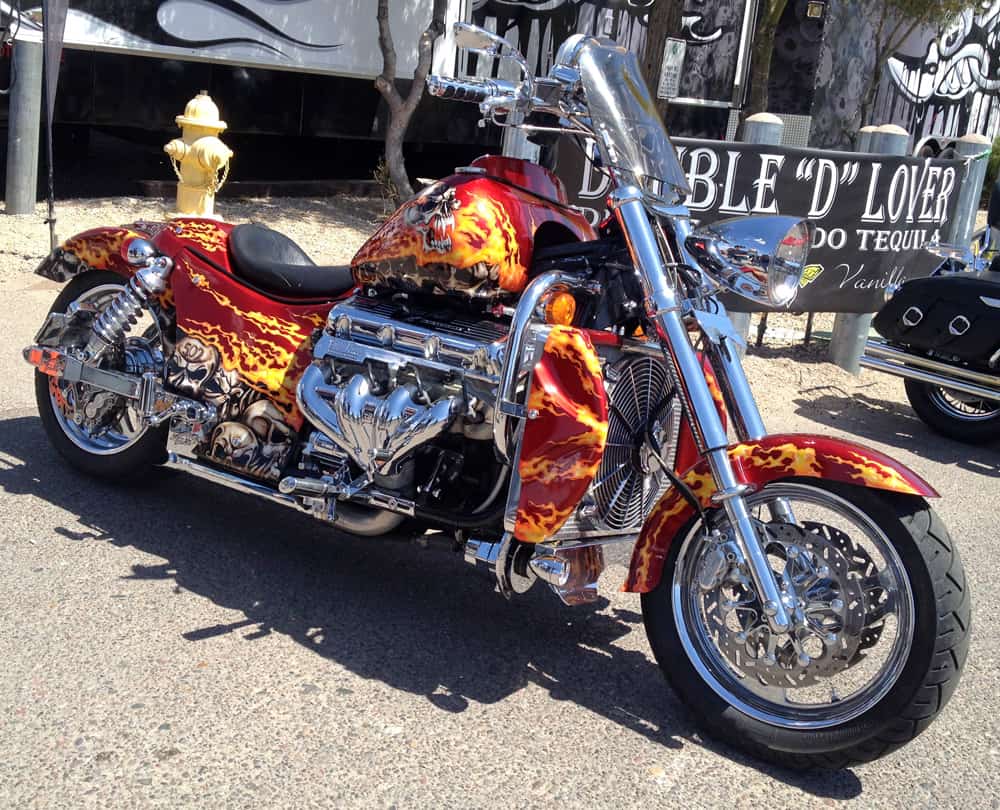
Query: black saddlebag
x,y
956,315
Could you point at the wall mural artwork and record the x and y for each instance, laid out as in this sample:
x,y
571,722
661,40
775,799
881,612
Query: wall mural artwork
x,y
311,35
939,83
952,85
712,29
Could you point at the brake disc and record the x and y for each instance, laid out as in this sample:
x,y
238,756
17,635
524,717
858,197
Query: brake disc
x,y
830,591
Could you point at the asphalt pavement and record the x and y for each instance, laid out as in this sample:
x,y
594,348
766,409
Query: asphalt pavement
x,y
171,643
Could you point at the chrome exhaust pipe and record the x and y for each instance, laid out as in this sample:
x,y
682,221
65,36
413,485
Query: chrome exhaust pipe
x,y
879,348
882,357
359,520
234,482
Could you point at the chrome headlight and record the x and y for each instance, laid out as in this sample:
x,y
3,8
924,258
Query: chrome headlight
x,y
760,258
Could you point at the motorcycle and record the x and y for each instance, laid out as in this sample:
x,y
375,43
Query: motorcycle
x,y
493,367
941,334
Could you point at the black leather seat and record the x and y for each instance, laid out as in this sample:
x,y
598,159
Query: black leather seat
x,y
273,263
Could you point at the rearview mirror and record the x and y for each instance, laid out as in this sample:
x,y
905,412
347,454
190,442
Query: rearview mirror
x,y
474,38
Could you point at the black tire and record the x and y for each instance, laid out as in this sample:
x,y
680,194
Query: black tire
x,y
134,462
929,677
927,404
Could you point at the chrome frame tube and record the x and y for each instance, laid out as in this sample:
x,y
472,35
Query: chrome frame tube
x,y
507,408
664,308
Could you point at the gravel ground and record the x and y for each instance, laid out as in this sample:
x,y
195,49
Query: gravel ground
x,y
175,644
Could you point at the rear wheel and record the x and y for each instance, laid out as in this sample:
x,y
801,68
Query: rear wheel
x,y
98,432
959,416
877,595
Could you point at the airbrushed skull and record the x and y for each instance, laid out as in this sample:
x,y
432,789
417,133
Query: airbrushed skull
x,y
234,445
191,365
227,393
273,435
433,214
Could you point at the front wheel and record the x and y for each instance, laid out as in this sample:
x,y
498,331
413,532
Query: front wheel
x,y
880,614
958,416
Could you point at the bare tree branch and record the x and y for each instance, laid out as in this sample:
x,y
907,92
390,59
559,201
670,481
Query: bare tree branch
x,y
400,110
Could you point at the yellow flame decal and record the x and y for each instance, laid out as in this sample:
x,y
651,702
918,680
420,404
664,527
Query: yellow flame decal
x,y
878,475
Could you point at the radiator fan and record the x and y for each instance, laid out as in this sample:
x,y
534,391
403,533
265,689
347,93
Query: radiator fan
x,y
629,480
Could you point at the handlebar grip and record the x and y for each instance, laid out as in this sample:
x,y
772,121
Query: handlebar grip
x,y
473,90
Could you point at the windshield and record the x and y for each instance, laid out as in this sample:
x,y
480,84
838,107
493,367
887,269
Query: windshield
x,y
625,119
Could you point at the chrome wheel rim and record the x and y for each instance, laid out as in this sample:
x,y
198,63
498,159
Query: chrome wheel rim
x,y
964,407
99,423
856,650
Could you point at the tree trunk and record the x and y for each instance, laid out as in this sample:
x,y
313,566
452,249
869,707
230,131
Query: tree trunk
x,y
664,21
760,68
401,110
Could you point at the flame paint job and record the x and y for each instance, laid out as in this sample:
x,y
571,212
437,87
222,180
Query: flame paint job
x,y
469,234
266,343
96,249
563,445
759,463
262,346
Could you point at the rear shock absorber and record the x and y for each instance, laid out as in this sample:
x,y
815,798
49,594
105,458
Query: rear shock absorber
x,y
124,311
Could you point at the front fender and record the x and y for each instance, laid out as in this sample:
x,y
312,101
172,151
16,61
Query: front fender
x,y
772,458
96,249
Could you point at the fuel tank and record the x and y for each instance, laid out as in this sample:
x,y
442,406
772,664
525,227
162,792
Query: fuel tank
x,y
472,234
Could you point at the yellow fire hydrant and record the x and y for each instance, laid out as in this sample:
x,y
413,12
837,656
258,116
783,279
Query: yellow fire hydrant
x,y
199,158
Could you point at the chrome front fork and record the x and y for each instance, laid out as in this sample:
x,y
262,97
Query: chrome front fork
x,y
664,307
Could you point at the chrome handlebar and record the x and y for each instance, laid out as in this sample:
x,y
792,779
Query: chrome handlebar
x,y
475,91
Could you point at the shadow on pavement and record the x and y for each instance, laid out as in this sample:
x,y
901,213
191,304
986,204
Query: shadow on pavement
x,y
893,423
414,619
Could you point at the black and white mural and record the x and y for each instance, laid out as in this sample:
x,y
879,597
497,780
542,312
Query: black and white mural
x,y
712,28
323,36
949,84
941,82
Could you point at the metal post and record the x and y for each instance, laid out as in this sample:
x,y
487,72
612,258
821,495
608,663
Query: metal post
x,y
969,147
23,127
850,329
865,138
764,129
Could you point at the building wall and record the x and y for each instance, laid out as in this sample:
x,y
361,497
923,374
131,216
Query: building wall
x,y
939,83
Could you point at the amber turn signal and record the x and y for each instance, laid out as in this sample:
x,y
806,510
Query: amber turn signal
x,y
561,309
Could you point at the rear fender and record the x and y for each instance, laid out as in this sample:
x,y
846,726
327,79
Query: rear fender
x,y
773,458
97,249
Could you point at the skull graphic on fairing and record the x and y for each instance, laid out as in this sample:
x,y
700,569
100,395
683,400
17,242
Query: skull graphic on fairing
x,y
227,393
234,445
274,437
191,365
433,214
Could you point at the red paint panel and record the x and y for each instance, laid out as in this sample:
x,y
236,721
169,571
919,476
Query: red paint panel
x,y
524,174
103,248
759,463
563,445
267,343
466,234
206,236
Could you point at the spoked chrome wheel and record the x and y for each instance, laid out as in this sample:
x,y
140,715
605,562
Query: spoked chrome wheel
x,y
847,593
96,431
964,407
96,421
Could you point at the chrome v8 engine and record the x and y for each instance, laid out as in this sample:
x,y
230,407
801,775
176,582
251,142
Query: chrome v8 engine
x,y
389,377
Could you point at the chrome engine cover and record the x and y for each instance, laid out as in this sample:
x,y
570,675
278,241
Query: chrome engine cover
x,y
389,378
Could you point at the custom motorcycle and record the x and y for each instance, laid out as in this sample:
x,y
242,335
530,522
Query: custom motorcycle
x,y
493,367
941,334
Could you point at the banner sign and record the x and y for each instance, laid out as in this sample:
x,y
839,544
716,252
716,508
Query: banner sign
x,y
872,213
